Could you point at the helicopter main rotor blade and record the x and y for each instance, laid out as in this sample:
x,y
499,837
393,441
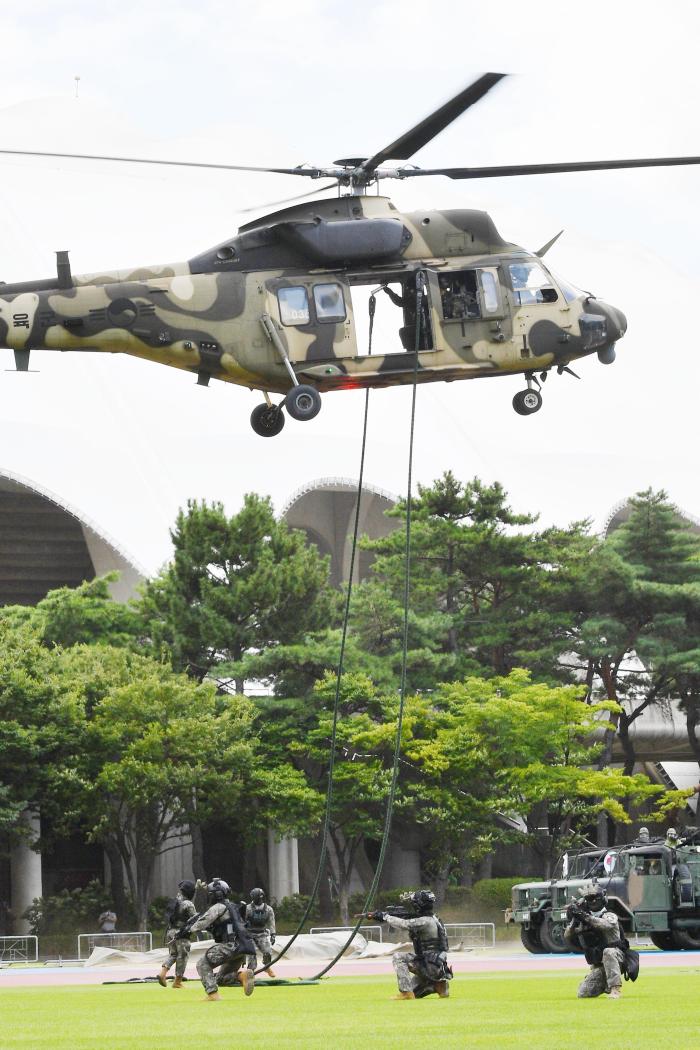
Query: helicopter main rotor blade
x,y
503,171
413,140
313,173
290,200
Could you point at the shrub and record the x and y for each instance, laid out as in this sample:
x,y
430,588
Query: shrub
x,y
70,911
290,909
496,893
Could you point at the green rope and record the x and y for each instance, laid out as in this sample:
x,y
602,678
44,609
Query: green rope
x,y
336,703
404,659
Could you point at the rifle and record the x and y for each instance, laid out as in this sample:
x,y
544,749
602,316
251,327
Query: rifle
x,y
398,911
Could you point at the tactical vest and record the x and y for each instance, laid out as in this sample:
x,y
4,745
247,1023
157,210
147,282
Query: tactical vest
x,y
594,942
224,931
431,938
175,913
257,916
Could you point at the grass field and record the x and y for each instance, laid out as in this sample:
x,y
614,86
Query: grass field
x,y
498,1011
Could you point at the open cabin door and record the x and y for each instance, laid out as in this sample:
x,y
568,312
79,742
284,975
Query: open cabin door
x,y
314,318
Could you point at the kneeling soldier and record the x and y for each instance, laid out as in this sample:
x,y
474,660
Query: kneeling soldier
x,y
179,911
234,951
423,971
595,929
260,920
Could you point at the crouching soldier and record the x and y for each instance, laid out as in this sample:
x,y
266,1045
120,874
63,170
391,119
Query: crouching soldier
x,y
260,920
424,971
595,929
179,911
234,951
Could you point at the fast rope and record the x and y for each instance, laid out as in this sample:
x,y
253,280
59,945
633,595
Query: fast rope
x,y
336,702
420,288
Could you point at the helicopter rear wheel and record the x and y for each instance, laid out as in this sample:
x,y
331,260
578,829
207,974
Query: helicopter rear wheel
x,y
303,402
267,420
526,402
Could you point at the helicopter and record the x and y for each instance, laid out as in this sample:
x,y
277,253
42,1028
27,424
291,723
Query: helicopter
x,y
271,308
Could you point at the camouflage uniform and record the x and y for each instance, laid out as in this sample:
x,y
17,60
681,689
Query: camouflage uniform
x,y
230,955
419,972
178,947
606,975
260,921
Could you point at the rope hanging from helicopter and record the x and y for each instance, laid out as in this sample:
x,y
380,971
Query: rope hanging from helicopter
x,y
339,676
420,292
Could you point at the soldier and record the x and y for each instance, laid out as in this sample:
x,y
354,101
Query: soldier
x,y
179,911
233,947
672,838
424,971
260,920
595,929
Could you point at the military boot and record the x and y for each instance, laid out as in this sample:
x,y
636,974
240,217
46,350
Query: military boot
x,y
162,976
615,993
177,983
247,979
212,997
270,972
443,989
404,995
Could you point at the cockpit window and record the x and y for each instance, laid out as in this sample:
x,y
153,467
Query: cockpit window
x,y
330,305
294,305
531,284
569,291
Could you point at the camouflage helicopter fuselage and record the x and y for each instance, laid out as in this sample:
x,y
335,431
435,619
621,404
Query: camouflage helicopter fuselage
x,y
237,311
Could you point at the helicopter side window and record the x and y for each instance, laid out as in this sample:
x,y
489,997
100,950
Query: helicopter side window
x,y
489,292
294,305
330,305
531,284
458,292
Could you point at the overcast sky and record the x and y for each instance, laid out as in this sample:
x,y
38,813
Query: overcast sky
x,y
127,442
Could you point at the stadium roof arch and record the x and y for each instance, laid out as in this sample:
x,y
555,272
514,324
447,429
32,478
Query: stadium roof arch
x,y
45,543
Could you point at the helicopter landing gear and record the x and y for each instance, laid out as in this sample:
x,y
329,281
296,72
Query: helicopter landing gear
x,y
267,420
526,402
303,402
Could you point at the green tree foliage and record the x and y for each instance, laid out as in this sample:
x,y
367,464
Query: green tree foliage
x,y
640,595
234,584
40,732
161,752
488,593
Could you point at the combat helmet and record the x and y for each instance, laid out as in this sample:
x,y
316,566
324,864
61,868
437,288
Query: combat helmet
x,y
257,896
218,890
187,888
595,899
423,901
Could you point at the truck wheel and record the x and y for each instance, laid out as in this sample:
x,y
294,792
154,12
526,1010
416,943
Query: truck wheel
x,y
663,939
531,940
688,940
552,937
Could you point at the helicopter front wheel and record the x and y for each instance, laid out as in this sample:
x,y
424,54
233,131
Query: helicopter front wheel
x,y
267,420
526,402
303,402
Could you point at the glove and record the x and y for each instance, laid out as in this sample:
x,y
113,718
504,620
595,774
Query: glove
x,y
272,938
378,916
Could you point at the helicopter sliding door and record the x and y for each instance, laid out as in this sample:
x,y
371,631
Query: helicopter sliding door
x,y
314,317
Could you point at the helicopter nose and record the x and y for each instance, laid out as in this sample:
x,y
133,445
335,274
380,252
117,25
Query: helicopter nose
x,y
617,323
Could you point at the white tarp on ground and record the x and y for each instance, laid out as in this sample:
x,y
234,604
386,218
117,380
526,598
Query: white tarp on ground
x,y
306,946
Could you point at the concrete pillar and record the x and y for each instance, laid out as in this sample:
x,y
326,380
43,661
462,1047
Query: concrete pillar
x,y
25,873
283,865
403,867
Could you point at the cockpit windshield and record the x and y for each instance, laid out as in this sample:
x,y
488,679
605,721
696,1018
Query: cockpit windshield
x,y
568,290
531,284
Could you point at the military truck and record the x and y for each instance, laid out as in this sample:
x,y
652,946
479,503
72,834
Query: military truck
x,y
653,888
